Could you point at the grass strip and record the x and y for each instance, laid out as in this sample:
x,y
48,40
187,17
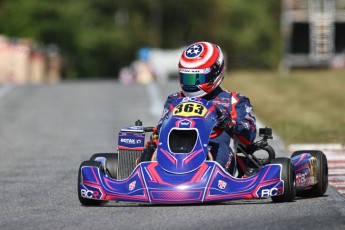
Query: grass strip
x,y
304,106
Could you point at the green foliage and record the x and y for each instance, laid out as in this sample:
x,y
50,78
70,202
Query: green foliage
x,y
251,32
98,37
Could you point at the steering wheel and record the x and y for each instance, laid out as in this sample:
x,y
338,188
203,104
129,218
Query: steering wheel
x,y
250,150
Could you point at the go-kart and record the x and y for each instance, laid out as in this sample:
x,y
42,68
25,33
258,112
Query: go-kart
x,y
177,167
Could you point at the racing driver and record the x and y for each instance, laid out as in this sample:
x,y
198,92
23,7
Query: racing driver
x,y
201,71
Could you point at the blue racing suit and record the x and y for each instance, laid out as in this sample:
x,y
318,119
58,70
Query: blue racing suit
x,y
243,125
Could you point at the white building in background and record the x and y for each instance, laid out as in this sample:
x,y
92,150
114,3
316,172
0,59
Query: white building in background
x,y
164,63
313,33
153,64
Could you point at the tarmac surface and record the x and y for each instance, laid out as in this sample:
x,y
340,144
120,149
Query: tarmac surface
x,y
46,131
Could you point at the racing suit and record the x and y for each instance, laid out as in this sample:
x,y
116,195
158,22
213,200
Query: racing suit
x,y
242,126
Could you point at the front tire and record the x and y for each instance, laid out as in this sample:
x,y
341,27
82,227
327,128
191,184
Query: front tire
x,y
288,176
111,163
85,201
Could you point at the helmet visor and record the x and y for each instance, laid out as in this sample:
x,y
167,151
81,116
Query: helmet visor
x,y
192,79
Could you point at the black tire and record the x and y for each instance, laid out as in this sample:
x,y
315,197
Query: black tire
x,y
289,178
112,162
85,201
321,173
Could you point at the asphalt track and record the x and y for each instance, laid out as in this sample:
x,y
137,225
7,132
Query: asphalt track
x,y
46,131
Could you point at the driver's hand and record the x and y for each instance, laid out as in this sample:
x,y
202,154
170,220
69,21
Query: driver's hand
x,y
224,120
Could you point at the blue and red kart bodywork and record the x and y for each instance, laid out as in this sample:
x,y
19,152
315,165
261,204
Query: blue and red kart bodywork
x,y
181,172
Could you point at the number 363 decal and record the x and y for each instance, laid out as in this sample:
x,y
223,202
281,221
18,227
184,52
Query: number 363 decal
x,y
190,109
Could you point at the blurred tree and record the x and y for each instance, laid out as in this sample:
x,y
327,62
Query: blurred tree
x,y
98,37
189,21
250,32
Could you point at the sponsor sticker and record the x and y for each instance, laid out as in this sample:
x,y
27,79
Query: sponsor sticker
x,y
131,140
132,185
185,124
221,184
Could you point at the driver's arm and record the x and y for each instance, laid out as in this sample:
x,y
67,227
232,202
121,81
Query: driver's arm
x,y
244,119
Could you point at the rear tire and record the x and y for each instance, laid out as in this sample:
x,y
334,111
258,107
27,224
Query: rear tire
x,y
288,176
111,163
320,188
85,201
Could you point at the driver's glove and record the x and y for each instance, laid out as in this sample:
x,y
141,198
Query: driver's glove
x,y
226,123
224,120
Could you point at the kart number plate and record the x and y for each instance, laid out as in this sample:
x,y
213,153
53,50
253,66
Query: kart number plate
x,y
190,109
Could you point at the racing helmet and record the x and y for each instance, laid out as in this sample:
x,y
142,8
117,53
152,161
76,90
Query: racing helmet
x,y
201,69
